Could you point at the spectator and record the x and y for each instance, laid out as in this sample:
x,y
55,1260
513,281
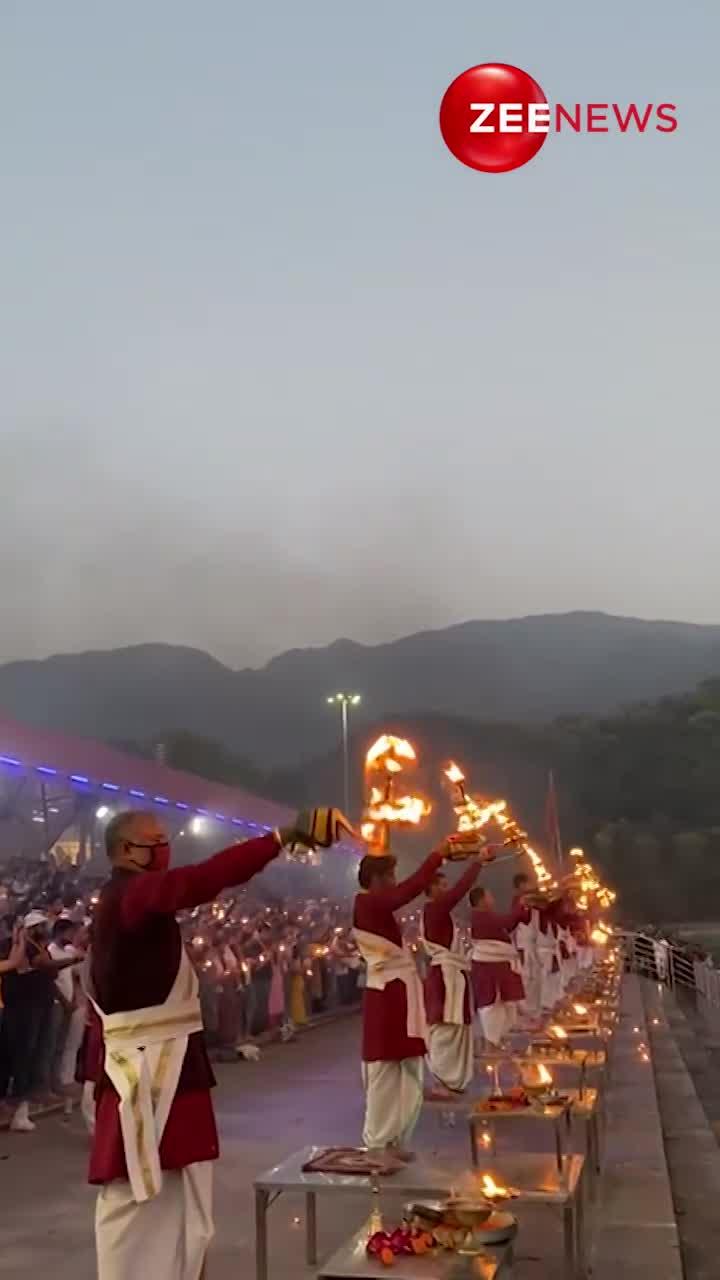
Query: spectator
x,y
263,966
69,1008
29,995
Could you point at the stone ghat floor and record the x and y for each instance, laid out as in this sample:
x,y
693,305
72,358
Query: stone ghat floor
x,y
310,1092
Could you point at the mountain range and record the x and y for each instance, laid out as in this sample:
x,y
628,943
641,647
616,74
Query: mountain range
x,y
526,670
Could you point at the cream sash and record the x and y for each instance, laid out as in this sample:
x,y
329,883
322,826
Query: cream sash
x,y
144,1053
454,965
493,951
385,962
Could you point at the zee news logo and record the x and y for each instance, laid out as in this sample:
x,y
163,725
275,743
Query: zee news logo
x,y
495,117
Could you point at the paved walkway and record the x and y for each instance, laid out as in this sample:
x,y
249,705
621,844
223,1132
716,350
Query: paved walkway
x,y
636,1234
310,1092
688,1086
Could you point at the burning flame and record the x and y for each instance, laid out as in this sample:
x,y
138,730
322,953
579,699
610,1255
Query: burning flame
x,y
580,1010
454,773
544,1076
558,1032
389,756
389,752
410,809
473,815
491,1190
587,886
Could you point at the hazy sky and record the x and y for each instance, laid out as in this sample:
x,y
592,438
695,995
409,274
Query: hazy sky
x,y
274,367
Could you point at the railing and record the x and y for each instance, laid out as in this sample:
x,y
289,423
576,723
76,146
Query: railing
x,y
665,962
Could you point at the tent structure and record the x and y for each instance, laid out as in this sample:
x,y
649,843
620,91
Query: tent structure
x,y
57,793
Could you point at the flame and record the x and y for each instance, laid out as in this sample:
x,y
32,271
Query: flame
x,y
491,1190
473,815
411,809
544,1076
389,756
580,1010
558,1032
397,749
587,886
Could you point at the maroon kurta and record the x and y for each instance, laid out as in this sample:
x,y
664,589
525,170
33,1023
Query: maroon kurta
x,y
135,957
496,979
438,928
385,1037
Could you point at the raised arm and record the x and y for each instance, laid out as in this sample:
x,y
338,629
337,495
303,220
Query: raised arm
x,y
520,914
165,892
400,894
455,895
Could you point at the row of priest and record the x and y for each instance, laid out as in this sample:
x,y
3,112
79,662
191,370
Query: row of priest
x,y
155,1137
519,961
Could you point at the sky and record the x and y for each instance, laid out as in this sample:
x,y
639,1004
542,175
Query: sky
x,y
276,368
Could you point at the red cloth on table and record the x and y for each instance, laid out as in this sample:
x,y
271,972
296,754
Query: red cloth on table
x,y
496,979
438,928
135,956
385,1037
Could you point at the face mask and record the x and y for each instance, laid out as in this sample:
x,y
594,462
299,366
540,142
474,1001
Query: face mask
x,y
159,859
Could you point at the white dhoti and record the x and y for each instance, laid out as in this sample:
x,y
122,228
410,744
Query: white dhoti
x,y
526,943
164,1238
498,1019
450,1055
393,1101
550,983
158,1223
393,1087
568,963
450,1044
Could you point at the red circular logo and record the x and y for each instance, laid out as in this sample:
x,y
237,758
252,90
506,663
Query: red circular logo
x,y
494,117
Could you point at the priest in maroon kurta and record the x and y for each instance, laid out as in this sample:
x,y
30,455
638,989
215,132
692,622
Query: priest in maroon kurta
x,y
448,1003
497,984
154,1213
394,1027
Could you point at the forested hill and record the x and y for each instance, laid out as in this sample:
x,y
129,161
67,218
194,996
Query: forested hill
x,y
639,789
528,670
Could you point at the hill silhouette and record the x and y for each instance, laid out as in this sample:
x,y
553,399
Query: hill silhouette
x,y
527,670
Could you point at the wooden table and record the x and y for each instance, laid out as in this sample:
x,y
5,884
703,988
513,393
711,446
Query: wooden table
x,y
535,1177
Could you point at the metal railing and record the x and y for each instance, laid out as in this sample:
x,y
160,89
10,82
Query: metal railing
x,y
672,965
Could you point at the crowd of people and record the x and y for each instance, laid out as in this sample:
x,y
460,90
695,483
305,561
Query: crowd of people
x,y
265,966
